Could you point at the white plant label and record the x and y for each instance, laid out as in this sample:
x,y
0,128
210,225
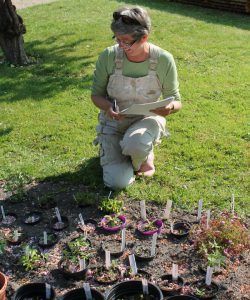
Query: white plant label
x,y
199,209
3,213
82,264
132,263
58,215
47,291
167,209
16,235
107,259
175,272
109,194
27,250
33,219
172,227
232,204
45,238
144,286
209,275
87,291
123,239
143,210
81,219
85,234
208,217
153,246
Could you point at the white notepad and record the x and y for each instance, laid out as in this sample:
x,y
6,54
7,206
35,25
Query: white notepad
x,y
144,109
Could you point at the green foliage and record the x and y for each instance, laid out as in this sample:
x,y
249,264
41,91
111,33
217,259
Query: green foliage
x,y
111,221
109,205
2,244
207,154
85,198
79,248
32,258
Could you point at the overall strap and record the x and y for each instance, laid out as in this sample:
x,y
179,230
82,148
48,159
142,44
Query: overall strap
x,y
153,59
118,59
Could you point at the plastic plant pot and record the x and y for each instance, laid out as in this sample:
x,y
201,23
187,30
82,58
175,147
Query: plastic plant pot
x,y
180,230
32,218
10,218
143,253
58,226
142,227
52,239
73,273
106,227
79,294
140,274
33,291
168,286
3,286
133,288
89,226
12,241
200,290
114,246
182,297
105,276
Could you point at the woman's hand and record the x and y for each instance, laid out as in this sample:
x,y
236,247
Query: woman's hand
x,y
112,114
164,110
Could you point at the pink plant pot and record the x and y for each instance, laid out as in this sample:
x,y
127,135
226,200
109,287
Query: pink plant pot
x,y
158,223
115,228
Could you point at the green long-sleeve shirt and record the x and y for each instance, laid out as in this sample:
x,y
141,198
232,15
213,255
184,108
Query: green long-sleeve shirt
x,y
166,72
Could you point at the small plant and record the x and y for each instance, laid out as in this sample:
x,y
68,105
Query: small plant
x,y
111,205
226,236
16,185
2,244
79,248
111,221
32,258
215,258
85,198
200,292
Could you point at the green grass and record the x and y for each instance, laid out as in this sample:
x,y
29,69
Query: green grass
x,y
47,120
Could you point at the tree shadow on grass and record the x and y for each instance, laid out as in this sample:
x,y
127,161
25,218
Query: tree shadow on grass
x,y
208,15
55,69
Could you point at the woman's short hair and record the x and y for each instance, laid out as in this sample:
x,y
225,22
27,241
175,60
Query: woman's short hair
x,y
134,21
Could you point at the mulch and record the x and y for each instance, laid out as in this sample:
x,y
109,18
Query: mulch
x,y
233,282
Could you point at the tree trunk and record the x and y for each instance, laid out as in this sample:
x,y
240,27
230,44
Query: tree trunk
x,y
11,34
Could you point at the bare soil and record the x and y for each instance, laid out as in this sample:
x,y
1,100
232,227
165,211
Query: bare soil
x,y
234,282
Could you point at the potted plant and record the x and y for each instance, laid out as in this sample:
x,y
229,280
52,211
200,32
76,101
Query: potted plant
x,y
180,230
103,275
15,237
169,286
142,251
46,201
40,291
114,246
9,219
85,199
89,226
59,225
111,206
150,226
114,222
132,289
79,294
201,290
138,276
3,286
32,218
52,239
32,259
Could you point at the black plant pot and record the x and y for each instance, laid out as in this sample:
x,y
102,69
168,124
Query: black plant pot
x,y
102,270
10,239
91,223
182,297
68,274
33,290
145,256
166,290
63,225
79,294
131,288
115,248
182,227
32,218
52,240
140,274
10,219
211,291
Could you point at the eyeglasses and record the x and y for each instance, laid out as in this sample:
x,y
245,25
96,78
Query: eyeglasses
x,y
126,45
125,19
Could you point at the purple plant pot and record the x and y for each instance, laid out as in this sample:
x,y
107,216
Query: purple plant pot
x,y
115,228
158,223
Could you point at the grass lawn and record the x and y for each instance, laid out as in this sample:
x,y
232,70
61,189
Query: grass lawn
x,y
47,120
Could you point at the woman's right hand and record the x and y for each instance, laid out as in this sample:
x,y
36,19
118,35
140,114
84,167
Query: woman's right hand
x,y
112,114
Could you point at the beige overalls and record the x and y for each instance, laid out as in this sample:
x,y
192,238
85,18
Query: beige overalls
x,y
126,144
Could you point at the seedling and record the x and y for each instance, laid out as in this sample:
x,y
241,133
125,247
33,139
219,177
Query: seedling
x,y
2,244
111,205
31,259
84,198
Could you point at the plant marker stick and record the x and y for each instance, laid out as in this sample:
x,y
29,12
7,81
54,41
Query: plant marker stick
x,y
123,239
58,215
32,219
153,246
172,227
143,210
209,275
167,209
132,263
107,259
47,291
208,217
81,219
232,204
175,272
45,238
82,264
3,213
85,234
144,286
16,235
87,291
109,194
27,250
199,209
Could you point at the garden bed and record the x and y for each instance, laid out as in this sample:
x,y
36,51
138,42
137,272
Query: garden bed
x,y
233,282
